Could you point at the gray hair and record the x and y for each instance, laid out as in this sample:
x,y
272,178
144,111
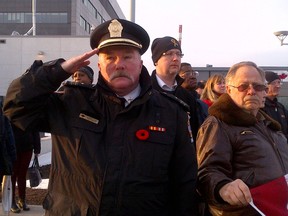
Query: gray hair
x,y
232,71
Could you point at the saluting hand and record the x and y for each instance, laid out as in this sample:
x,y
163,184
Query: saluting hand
x,y
236,193
74,63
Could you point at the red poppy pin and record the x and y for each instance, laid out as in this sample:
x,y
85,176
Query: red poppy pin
x,y
142,134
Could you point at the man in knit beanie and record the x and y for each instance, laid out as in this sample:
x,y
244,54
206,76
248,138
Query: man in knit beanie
x,y
166,56
273,107
271,76
160,46
84,75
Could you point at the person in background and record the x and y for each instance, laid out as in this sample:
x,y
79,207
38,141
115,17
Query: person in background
x,y
239,146
7,146
166,56
273,107
214,88
189,76
120,148
84,75
190,83
26,142
200,87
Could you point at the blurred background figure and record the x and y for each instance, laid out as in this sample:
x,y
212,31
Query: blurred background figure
x,y
190,78
200,87
272,106
7,146
190,84
26,142
214,88
84,75
7,159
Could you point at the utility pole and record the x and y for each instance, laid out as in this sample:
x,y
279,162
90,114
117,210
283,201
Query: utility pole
x,y
34,17
132,11
33,28
180,34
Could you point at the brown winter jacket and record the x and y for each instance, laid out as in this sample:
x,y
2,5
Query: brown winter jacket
x,y
233,144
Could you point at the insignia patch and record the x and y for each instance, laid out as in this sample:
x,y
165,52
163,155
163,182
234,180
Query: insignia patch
x,y
89,118
175,43
247,132
154,128
115,28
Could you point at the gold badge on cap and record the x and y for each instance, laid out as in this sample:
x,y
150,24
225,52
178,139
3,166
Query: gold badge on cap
x,y
118,36
175,43
115,28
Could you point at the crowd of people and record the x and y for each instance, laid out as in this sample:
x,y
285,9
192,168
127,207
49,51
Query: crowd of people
x,y
158,144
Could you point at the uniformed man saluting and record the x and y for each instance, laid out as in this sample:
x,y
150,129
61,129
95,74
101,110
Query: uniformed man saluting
x,y
120,147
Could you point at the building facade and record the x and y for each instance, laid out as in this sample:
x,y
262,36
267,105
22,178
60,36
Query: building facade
x,y
55,17
19,52
62,30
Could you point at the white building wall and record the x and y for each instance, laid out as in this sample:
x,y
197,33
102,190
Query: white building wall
x,y
18,53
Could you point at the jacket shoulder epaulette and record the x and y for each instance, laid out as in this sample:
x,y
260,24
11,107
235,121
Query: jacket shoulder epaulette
x,y
177,100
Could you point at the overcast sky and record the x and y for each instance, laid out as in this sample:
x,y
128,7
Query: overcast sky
x,y
219,33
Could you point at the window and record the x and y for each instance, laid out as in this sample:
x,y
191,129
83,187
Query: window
x,y
85,25
27,17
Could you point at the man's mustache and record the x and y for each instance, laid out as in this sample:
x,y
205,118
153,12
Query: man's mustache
x,y
120,74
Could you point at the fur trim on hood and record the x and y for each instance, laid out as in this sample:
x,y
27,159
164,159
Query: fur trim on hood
x,y
227,111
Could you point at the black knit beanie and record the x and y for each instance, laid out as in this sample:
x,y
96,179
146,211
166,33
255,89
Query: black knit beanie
x,y
87,70
162,45
271,76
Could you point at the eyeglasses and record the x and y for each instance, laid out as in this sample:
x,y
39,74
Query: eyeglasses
x,y
257,87
191,73
171,54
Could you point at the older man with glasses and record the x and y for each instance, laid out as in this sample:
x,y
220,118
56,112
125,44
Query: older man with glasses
x,y
273,107
239,147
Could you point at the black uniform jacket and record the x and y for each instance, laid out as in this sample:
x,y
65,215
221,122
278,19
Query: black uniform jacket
x,y
185,96
278,112
107,159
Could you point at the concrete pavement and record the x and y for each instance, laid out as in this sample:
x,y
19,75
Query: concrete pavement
x,y
35,210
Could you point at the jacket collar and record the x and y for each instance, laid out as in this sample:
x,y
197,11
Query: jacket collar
x,y
227,111
156,86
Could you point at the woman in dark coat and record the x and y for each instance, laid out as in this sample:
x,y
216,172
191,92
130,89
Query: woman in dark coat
x,y
26,142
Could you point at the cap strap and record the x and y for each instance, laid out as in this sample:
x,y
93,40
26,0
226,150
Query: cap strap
x,y
113,40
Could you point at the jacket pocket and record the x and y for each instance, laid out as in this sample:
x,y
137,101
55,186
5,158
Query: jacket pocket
x,y
152,156
89,140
